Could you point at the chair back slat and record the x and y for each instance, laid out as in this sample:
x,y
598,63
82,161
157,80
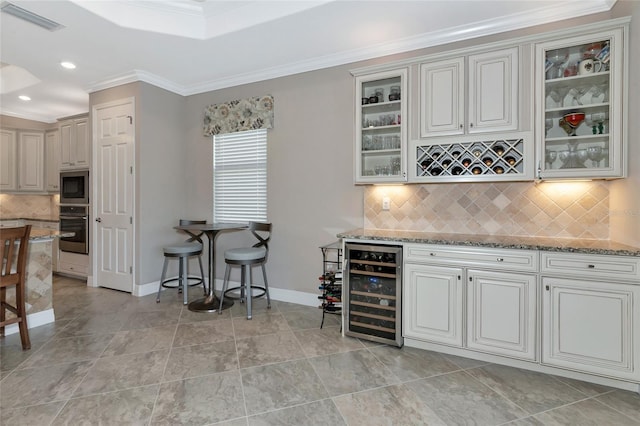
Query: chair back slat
x,y
198,238
14,262
262,232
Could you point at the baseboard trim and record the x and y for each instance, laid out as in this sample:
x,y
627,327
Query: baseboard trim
x,y
33,320
279,294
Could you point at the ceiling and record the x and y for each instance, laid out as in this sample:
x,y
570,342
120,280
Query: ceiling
x,y
194,46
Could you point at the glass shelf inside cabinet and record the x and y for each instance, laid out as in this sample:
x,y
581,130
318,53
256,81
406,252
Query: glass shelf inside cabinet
x,y
497,157
577,89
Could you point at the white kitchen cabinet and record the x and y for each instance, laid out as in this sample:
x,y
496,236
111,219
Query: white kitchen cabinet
x,y
75,144
592,326
31,161
381,130
581,103
590,318
73,264
489,105
432,308
52,162
8,163
500,305
501,313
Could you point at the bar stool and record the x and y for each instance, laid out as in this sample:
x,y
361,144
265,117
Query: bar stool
x,y
247,258
183,251
13,271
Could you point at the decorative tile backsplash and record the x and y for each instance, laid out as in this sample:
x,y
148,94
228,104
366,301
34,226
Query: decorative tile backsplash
x,y
24,205
547,209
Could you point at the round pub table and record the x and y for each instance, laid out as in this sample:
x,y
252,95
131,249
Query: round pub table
x,y
211,303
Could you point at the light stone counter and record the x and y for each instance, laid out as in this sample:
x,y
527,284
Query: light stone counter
x,y
496,241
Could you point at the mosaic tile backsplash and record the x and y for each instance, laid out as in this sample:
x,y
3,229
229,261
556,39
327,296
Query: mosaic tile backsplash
x,y
547,209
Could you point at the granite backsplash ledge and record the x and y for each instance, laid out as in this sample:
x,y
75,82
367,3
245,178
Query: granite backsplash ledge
x,y
549,209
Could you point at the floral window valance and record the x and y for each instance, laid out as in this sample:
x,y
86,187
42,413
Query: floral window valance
x,y
239,116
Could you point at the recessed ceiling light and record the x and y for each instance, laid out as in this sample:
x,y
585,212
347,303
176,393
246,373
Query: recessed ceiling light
x,y
68,65
24,98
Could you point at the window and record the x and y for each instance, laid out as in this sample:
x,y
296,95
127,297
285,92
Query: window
x,y
240,176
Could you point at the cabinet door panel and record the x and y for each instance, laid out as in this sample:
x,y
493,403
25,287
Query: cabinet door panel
x,y
501,313
8,181
433,304
493,91
31,170
442,98
591,327
82,143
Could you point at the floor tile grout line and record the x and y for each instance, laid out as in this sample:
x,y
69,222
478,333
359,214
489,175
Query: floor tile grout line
x,y
595,398
235,345
497,392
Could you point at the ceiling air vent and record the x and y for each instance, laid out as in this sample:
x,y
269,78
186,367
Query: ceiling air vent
x,y
24,14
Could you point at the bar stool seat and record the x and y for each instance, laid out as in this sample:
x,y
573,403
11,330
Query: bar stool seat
x,y
246,258
183,251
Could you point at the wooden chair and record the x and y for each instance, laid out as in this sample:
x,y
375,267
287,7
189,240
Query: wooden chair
x,y
13,271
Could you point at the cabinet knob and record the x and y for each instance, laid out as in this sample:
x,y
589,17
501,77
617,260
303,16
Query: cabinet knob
x,y
500,259
432,254
546,288
461,126
470,124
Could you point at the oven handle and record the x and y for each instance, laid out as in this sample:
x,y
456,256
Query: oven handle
x,y
74,217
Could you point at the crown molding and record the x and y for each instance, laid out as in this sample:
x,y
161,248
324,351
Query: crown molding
x,y
543,15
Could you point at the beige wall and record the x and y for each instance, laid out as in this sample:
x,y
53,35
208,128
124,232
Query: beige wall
x,y
311,196
625,194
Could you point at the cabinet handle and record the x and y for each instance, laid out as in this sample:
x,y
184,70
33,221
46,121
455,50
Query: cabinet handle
x,y
500,259
470,279
546,288
591,266
459,277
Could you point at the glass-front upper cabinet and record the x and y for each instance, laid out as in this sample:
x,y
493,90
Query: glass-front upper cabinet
x,y
381,130
581,106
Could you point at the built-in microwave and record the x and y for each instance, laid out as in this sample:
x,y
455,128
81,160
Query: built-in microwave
x,y
74,187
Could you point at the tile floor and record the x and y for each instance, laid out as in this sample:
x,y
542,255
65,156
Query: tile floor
x,y
114,359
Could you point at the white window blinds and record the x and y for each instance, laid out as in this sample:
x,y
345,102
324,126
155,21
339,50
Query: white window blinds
x,y
240,176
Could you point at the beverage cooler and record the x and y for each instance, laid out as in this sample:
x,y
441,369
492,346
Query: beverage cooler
x,y
373,293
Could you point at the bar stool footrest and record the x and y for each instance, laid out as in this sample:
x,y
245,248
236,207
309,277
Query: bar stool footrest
x,y
192,281
237,290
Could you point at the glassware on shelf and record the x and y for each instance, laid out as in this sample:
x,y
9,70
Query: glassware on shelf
x,y
555,60
595,154
599,92
548,124
571,158
578,92
570,122
592,50
558,94
550,157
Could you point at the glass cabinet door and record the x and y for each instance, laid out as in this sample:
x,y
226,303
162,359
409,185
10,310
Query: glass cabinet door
x,y
580,107
380,127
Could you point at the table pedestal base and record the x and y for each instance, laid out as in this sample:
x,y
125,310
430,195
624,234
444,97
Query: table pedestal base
x,y
209,304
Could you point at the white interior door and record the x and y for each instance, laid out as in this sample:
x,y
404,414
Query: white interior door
x,y
114,131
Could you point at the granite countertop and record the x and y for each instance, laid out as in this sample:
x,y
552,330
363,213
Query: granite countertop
x,y
39,234
47,218
570,245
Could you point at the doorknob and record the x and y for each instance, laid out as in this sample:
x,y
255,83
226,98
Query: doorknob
x,y
98,219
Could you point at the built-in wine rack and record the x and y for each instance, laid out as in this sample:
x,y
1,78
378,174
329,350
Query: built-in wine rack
x,y
497,157
374,295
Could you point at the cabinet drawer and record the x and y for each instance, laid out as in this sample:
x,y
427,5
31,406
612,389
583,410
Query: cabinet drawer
x,y
520,260
592,266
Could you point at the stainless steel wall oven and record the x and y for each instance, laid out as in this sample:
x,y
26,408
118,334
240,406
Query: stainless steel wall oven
x,y
75,219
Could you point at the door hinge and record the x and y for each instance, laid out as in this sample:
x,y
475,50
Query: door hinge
x,y
130,169
130,220
131,269
130,119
